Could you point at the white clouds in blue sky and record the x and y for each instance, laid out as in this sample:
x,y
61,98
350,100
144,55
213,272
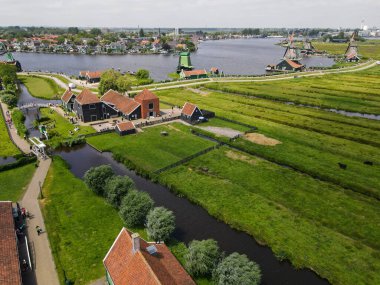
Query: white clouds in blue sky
x,y
196,13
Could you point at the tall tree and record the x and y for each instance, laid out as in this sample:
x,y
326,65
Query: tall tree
x,y
160,224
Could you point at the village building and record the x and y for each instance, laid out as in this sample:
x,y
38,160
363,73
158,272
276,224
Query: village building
x,y
93,76
68,99
125,128
10,271
123,105
88,107
193,74
133,261
214,71
150,104
191,113
289,65
351,54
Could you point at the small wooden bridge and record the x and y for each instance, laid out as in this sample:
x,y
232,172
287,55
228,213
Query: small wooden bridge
x,y
34,105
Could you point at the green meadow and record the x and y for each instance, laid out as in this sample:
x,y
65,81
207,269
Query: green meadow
x,y
41,87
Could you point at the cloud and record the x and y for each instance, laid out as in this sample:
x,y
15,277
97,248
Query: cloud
x,y
196,13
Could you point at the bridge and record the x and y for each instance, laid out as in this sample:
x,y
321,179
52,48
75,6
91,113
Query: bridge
x,y
34,105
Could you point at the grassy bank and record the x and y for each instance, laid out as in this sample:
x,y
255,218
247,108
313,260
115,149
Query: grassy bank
x,y
368,49
18,119
13,182
7,147
150,150
41,87
59,128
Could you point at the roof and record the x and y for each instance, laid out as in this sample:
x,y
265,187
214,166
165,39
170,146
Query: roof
x,y
125,126
134,268
122,103
87,97
214,69
9,260
145,95
67,96
188,109
293,63
94,74
196,72
83,73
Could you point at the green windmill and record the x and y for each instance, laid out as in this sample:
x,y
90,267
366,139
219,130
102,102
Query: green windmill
x,y
184,62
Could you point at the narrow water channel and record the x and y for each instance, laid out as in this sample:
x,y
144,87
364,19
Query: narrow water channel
x,y
193,222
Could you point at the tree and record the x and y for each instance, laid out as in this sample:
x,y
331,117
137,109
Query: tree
x,y
95,32
141,33
160,224
60,40
73,30
134,208
202,257
96,178
166,46
237,269
142,74
116,188
123,84
9,99
108,81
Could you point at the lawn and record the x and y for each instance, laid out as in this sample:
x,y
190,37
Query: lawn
x,y
82,226
150,150
312,223
7,147
13,182
59,128
41,87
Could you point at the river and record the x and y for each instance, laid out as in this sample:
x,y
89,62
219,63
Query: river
x,y
237,57
192,221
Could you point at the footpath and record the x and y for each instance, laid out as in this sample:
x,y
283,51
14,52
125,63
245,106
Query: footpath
x,y
43,262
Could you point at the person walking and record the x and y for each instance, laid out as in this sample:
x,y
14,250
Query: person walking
x,y
39,230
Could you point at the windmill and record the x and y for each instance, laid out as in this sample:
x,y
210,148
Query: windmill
x,y
9,59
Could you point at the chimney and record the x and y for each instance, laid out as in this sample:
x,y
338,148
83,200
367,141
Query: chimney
x,y
135,242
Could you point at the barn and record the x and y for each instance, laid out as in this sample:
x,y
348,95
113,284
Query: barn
x,y
125,128
191,113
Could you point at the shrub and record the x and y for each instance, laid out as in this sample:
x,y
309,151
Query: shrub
x,y
96,178
202,257
134,208
18,119
116,188
160,224
142,74
9,99
237,269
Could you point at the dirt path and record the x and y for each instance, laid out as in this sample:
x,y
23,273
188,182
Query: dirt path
x,y
43,266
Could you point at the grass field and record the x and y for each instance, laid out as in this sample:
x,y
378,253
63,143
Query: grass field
x,y
59,128
82,226
13,182
41,87
7,147
368,49
150,150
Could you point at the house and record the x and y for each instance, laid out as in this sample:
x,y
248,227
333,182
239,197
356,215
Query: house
x,y
150,104
88,107
68,99
125,128
289,65
184,62
82,74
93,76
133,261
214,70
191,113
193,74
123,105
10,273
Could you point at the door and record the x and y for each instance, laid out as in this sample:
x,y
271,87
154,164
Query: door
x,y
94,118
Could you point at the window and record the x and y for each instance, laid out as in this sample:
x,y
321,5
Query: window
x,y
92,106
150,105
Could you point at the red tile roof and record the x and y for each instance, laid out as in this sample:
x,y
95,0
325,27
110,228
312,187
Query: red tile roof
x,y
214,69
83,73
136,268
145,95
122,103
195,72
188,109
9,260
87,97
94,74
125,126
293,63
67,96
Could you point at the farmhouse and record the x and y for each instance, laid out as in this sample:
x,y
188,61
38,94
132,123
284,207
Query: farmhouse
x,y
122,105
289,65
193,74
68,99
133,261
191,113
9,258
150,104
125,128
93,76
88,107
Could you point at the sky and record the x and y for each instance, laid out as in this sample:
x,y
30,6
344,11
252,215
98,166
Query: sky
x,y
193,13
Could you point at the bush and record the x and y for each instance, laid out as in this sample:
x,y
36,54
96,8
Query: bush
x,y
134,208
9,99
18,119
96,178
116,188
160,224
202,257
237,269
142,74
